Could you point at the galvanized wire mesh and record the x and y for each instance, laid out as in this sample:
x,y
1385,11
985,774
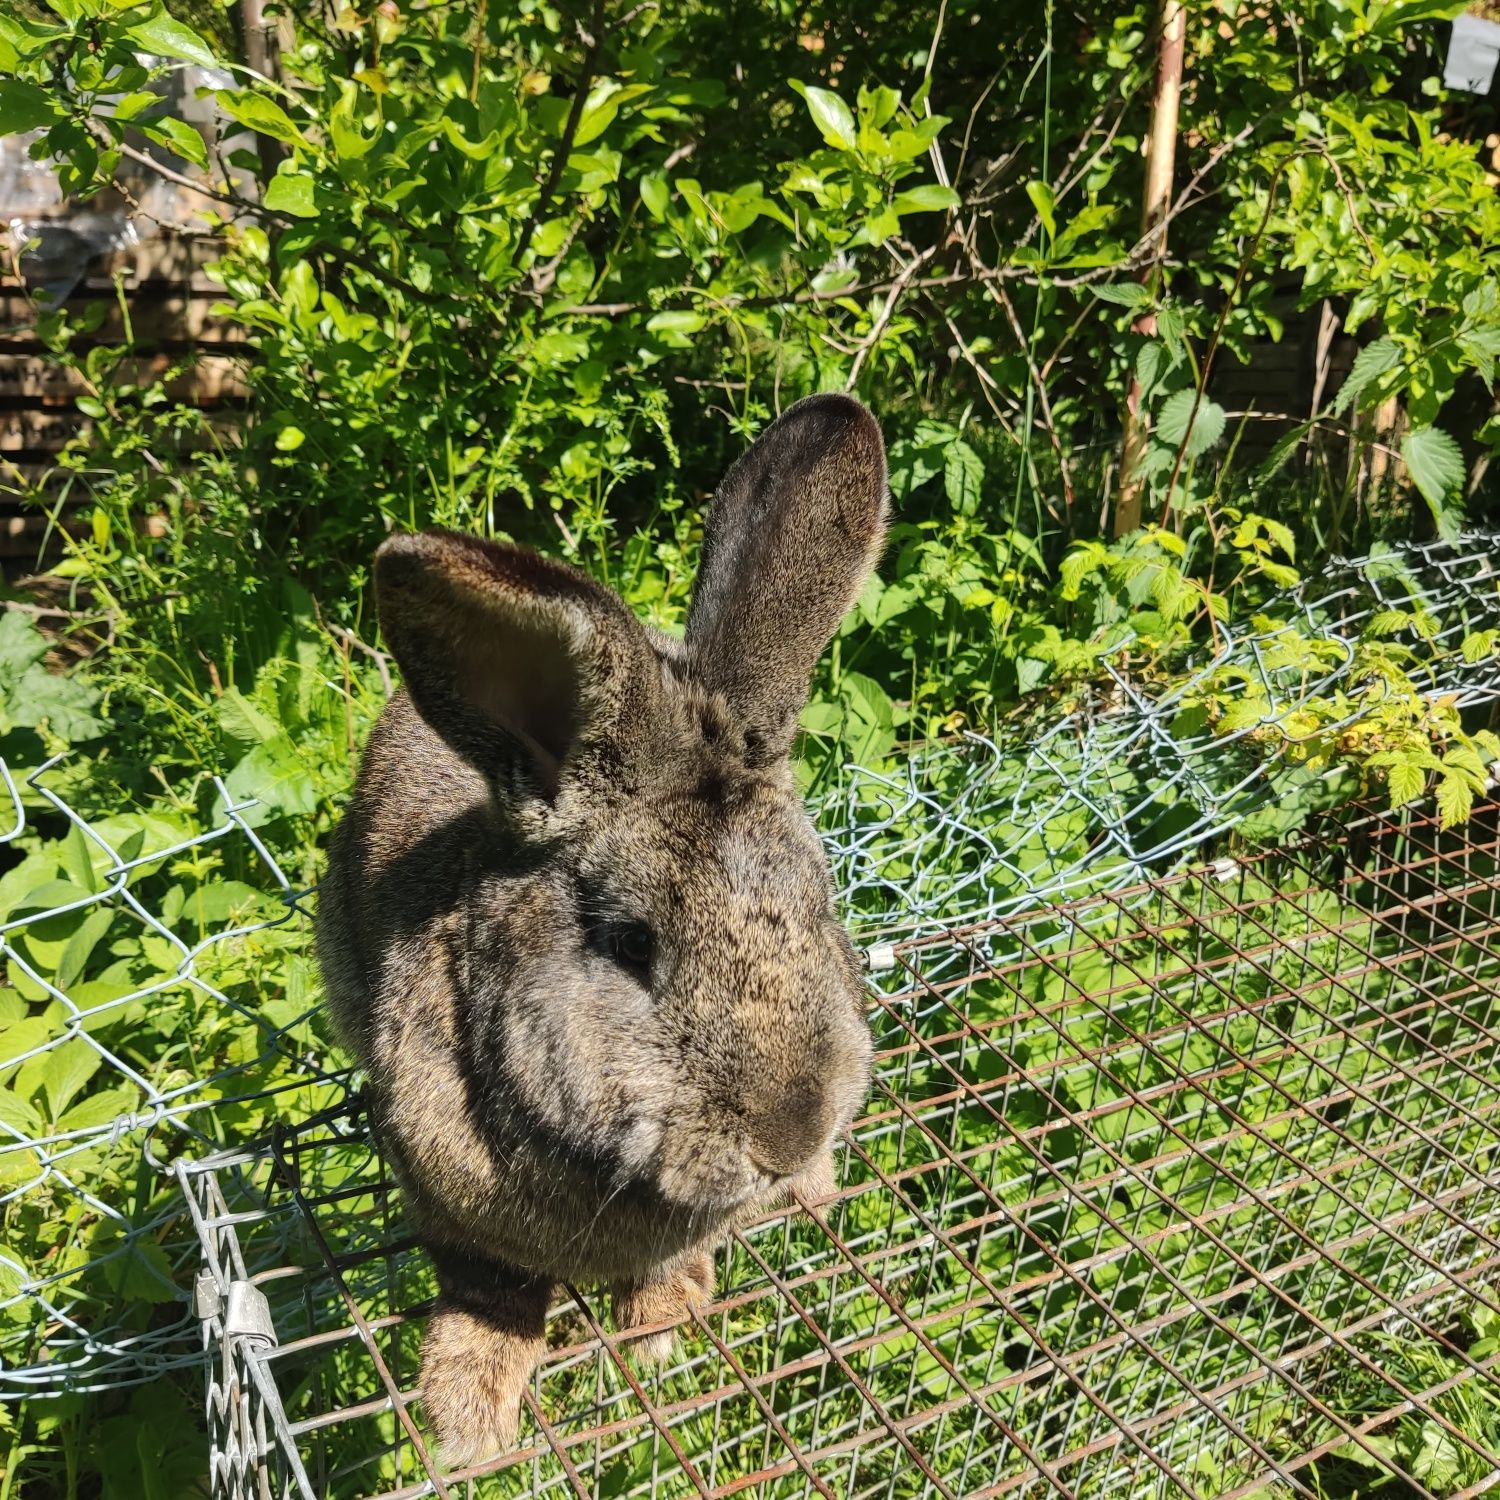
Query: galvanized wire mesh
x,y
1096,793
1183,1189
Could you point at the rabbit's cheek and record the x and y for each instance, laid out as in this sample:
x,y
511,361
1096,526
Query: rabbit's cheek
x,y
639,1145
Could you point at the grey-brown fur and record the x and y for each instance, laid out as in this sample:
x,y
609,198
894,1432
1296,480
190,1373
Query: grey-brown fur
x,y
554,772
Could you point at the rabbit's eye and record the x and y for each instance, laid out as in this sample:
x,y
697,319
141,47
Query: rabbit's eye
x,y
633,945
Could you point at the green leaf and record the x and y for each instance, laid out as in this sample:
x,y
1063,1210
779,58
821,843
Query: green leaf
x,y
963,477
931,198
599,110
1455,798
140,1272
21,39
1129,294
656,193
1045,204
867,700
680,321
291,192
1077,565
66,1068
1171,327
1387,622
1436,465
224,903
831,115
242,722
274,776
22,645
1405,782
1177,412
1396,17
822,718
1439,1462
98,1109
558,348
25,106
1247,713
168,38
349,140
64,704
260,114
77,859
1479,644
178,136
130,105
1373,361
76,951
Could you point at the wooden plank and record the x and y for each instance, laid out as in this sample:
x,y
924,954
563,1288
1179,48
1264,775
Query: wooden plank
x,y
32,380
35,435
170,320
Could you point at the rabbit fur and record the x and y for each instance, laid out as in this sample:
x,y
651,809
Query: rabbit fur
x,y
577,927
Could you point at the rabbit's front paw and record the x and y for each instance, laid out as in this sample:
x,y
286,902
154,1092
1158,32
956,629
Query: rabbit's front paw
x,y
669,1297
474,1372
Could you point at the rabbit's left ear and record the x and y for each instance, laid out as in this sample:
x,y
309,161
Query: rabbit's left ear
x,y
794,531
520,663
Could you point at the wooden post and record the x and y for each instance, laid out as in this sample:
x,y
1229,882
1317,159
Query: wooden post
x,y
1161,159
264,38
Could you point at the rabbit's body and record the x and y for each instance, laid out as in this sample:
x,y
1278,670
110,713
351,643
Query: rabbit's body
x,y
433,985
576,924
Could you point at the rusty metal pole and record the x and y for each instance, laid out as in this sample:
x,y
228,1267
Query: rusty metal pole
x,y
1161,160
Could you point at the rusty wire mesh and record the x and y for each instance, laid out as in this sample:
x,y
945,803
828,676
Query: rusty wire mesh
x,y
1187,1188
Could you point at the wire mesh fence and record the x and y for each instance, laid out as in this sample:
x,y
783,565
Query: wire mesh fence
x,y
1182,1189
1104,792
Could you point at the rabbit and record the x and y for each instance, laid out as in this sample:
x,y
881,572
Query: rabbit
x,y
577,927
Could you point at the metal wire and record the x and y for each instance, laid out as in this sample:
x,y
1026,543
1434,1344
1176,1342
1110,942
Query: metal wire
x,y
1102,792
1178,1189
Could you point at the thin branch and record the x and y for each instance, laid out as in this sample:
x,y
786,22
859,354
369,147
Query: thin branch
x,y
883,317
249,205
1065,470
348,638
593,42
989,387
1217,336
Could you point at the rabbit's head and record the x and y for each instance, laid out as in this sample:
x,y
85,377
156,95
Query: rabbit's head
x,y
652,976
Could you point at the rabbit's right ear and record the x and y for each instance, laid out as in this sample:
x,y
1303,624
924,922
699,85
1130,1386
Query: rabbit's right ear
x,y
794,531
520,663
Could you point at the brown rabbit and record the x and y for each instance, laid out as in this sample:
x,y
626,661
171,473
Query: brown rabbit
x,y
577,926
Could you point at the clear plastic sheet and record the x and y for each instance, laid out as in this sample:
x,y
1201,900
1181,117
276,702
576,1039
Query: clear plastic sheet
x,y
56,239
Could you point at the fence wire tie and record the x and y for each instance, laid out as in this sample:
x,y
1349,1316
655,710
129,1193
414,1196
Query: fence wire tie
x,y
247,1314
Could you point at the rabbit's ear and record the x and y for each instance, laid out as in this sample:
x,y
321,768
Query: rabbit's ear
x,y
520,663
794,531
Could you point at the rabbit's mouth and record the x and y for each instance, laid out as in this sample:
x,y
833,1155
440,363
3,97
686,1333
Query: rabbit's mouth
x,y
720,1185
726,1181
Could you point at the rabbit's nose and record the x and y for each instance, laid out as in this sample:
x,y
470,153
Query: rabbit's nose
x,y
789,1126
